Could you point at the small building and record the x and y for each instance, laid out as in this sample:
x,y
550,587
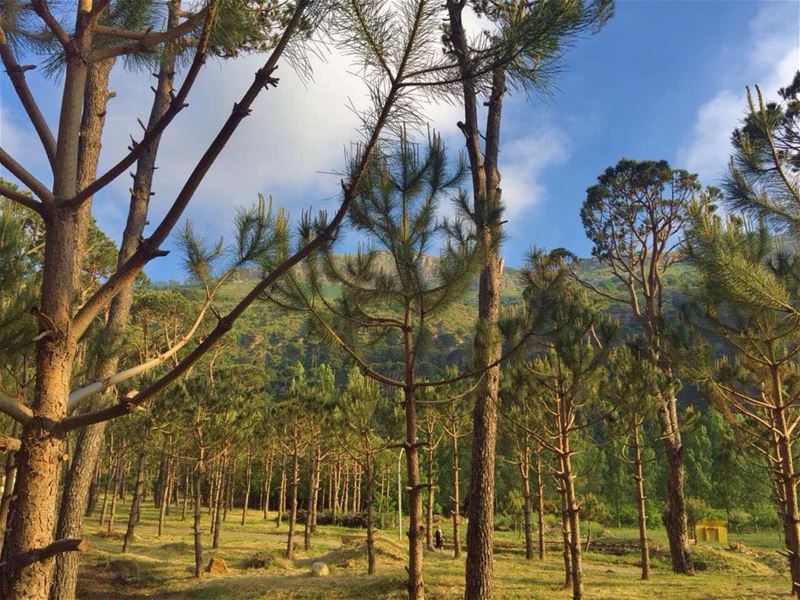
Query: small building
x,y
711,530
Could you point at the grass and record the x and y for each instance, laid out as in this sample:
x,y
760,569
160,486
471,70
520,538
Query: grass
x,y
162,568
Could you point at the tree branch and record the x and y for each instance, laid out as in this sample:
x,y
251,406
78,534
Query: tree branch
x,y
148,249
16,410
41,554
16,74
21,173
20,198
41,9
145,41
99,386
153,133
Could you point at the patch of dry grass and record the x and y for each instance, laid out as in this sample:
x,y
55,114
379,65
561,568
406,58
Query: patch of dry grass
x,y
161,569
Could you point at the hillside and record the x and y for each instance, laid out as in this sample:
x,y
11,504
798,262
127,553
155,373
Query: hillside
x,y
277,339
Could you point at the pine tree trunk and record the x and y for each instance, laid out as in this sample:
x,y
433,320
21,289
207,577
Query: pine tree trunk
x,y
524,470
315,492
455,499
133,516
281,494
116,493
787,478
416,590
674,516
309,503
123,493
337,479
565,535
220,502
91,502
198,542
641,508
429,496
295,481
345,488
164,506
110,476
370,472
540,503
10,478
248,481
229,474
486,200
267,484
573,512
185,496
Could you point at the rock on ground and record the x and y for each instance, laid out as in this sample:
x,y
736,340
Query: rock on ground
x,y
320,569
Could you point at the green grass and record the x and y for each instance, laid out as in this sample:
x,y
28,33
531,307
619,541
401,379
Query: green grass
x,y
162,568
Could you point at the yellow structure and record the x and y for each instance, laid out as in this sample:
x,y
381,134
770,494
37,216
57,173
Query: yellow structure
x,y
711,530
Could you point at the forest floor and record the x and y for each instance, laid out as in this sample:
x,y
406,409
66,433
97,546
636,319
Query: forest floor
x,y
162,568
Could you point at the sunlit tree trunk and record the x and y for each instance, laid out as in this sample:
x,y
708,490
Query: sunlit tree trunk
x,y
136,501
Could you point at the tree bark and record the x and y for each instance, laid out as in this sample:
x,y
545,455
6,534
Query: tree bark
x,y
87,449
119,485
429,499
281,494
198,541
220,501
455,511
133,517
641,507
295,481
573,514
267,483
9,481
186,489
91,502
674,516
565,535
315,492
110,476
416,589
309,502
370,473
787,478
248,481
524,471
540,502
33,515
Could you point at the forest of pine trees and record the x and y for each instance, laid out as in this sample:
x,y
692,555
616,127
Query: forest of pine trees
x,y
412,387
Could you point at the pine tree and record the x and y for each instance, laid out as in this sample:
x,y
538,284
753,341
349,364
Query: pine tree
x,y
634,216
385,288
523,50
749,297
573,339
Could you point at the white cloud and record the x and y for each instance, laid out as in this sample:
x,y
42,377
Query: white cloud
x,y
772,56
522,162
295,137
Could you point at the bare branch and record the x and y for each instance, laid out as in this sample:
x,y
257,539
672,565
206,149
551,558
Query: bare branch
x,y
16,410
16,74
101,385
153,133
20,198
149,248
41,9
41,554
21,173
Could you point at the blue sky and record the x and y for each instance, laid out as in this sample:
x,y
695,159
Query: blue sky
x,y
664,80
